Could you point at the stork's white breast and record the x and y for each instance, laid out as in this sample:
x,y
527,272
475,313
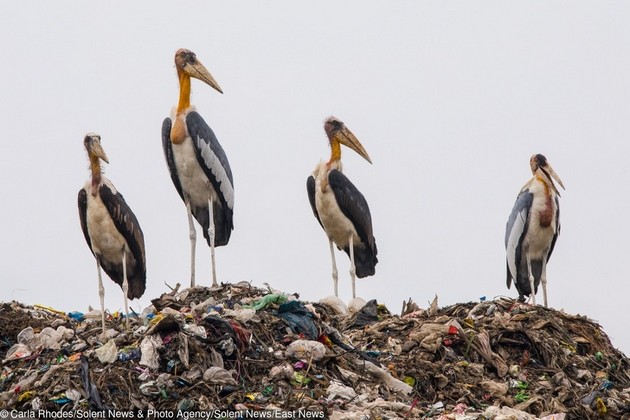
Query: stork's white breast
x,y
538,238
105,238
337,226
192,178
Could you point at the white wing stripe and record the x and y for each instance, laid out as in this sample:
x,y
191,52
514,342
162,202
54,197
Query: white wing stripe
x,y
515,235
212,161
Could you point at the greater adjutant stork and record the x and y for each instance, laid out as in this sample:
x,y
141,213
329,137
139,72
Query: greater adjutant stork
x,y
198,165
532,230
111,230
340,208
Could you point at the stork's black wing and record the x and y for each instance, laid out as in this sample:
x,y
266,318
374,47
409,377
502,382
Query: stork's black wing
x,y
515,230
215,165
127,224
354,206
310,189
82,201
211,157
168,155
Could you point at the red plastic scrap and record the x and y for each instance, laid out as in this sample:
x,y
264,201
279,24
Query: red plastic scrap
x,y
325,340
242,335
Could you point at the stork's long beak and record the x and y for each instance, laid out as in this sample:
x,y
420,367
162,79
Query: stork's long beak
x,y
199,71
550,173
347,138
99,152
93,147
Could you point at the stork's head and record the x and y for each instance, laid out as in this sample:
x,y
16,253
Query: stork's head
x,y
539,163
93,146
337,131
186,62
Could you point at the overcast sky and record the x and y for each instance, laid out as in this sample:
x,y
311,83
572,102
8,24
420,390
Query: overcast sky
x,y
450,99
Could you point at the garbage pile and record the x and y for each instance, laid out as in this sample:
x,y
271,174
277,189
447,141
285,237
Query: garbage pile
x,y
245,349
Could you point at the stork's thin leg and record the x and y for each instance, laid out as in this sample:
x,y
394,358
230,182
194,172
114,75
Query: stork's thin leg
x,y
211,234
334,267
125,288
353,269
193,241
101,294
543,279
531,279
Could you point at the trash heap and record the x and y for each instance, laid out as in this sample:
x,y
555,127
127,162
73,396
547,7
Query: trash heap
x,y
238,347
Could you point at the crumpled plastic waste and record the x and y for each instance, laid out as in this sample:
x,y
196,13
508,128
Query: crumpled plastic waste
x,y
220,376
149,351
367,315
267,300
337,389
107,353
94,397
306,349
299,318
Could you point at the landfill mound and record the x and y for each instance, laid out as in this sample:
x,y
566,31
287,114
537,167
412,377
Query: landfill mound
x,y
249,350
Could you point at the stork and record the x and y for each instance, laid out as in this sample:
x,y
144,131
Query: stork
x,y
111,231
340,208
198,165
532,230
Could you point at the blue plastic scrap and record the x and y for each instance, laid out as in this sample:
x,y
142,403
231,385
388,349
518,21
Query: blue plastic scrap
x,y
76,315
299,318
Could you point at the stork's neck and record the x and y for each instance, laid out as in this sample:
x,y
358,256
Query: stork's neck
x,y
178,131
95,167
547,213
542,178
335,151
184,91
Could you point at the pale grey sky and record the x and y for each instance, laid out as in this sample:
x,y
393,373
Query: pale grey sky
x,y
450,99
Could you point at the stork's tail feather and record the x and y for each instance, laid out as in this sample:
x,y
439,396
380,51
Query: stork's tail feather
x,y
136,287
223,223
365,262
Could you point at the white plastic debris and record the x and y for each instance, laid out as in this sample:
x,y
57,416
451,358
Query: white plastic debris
x,y
336,304
94,314
430,335
283,371
49,374
109,334
220,376
337,389
48,339
17,351
506,413
392,383
26,336
203,306
241,314
73,394
558,416
197,330
306,349
149,350
107,353
355,305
